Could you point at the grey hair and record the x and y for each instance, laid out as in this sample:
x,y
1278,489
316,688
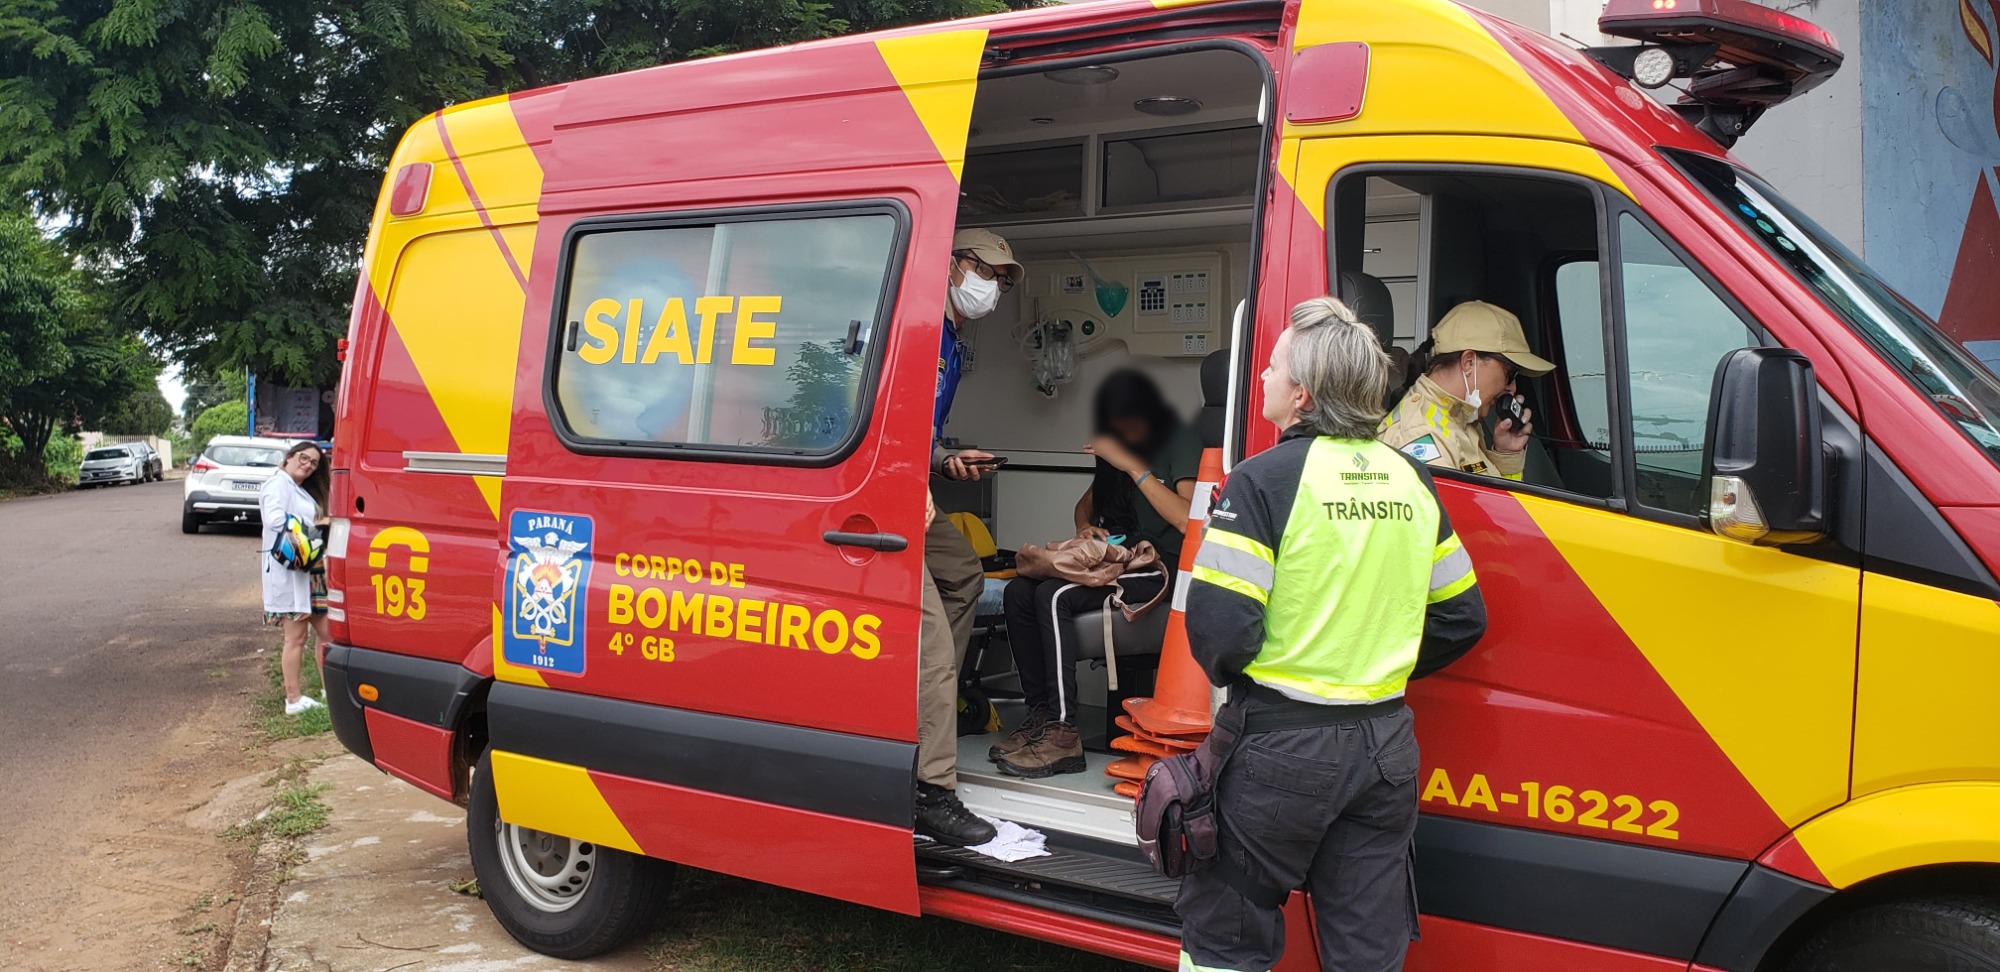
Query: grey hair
x,y
1341,364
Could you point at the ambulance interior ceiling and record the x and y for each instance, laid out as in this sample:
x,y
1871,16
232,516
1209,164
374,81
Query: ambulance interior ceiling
x,y
1490,238
1147,170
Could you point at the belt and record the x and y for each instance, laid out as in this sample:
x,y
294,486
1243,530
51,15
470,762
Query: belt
x,y
1268,710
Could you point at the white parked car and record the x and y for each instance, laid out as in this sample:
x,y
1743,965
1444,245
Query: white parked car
x,y
129,463
223,483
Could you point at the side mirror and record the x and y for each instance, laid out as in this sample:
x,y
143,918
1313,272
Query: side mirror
x,y
1766,463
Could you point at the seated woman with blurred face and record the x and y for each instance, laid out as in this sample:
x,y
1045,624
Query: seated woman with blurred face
x,y
1147,459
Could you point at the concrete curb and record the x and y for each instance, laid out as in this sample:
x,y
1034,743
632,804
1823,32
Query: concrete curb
x,y
252,935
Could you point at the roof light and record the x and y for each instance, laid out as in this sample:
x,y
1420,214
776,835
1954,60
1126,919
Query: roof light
x,y
1740,58
1166,107
1653,66
1085,74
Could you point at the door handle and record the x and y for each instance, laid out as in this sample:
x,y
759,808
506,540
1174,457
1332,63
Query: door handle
x,y
889,542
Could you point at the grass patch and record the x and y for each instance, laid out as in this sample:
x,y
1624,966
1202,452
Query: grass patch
x,y
296,810
468,887
271,715
723,924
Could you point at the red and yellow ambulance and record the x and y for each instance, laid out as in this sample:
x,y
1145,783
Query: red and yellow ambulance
x,y
637,411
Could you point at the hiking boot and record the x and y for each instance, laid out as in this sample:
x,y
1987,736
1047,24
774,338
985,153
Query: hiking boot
x,y
1056,749
1022,735
941,817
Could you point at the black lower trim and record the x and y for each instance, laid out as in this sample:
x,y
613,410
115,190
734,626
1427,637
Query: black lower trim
x,y
343,706
1600,892
1764,906
811,769
424,690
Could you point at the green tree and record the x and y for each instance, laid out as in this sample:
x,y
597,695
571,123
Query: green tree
x,y
207,388
228,418
106,368
40,293
221,157
145,412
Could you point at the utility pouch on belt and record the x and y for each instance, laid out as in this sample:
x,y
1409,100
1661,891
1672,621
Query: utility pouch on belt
x,y
1176,809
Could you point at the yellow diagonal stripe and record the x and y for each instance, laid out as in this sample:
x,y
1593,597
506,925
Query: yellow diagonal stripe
x,y
556,798
938,73
505,672
1757,643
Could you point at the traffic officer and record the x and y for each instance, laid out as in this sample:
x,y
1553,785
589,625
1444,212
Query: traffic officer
x,y
1327,577
982,268
1478,352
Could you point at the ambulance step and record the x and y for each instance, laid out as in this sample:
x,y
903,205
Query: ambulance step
x,y
1092,866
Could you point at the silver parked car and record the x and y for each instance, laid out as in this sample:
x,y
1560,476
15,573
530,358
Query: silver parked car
x,y
223,483
132,462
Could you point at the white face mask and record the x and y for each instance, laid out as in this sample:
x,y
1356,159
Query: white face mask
x,y
1472,396
975,296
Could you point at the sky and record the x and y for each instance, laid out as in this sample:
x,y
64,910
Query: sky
x,y
170,386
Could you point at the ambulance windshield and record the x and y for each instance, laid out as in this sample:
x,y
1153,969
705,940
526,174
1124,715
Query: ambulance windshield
x,y
1956,382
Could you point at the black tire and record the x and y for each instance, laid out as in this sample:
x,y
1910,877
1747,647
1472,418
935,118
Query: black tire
x,y
190,520
1958,933
623,895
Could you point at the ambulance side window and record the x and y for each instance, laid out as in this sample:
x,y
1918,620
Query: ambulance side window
x,y
1676,331
743,335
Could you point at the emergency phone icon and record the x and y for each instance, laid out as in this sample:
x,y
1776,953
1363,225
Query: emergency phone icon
x,y
396,595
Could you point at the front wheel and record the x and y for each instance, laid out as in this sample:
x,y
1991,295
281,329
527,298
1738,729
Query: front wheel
x,y
561,897
1959,933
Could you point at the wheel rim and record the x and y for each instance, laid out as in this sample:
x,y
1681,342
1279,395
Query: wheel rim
x,y
549,872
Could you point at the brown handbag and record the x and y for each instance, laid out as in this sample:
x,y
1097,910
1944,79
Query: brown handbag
x,y
1092,563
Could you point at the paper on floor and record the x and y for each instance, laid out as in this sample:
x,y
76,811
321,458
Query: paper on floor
x,y
1014,842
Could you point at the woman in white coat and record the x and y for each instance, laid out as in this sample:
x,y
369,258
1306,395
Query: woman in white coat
x,y
290,598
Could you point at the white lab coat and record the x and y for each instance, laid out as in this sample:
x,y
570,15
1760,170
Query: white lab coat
x,y
285,590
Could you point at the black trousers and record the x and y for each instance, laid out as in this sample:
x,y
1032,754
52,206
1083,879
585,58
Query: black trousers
x,y
1041,630
1332,810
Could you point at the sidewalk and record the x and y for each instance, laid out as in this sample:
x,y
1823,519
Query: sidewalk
x,y
373,893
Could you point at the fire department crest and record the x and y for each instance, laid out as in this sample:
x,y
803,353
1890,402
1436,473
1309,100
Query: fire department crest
x,y
548,574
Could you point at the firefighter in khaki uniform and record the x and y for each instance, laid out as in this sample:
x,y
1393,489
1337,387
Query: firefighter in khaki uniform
x,y
1327,578
1478,352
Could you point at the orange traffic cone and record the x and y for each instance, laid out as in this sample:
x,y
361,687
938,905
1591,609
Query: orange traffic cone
x,y
1179,705
1131,767
1181,744
1142,745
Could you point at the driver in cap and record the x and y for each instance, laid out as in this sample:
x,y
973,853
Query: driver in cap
x,y
1478,353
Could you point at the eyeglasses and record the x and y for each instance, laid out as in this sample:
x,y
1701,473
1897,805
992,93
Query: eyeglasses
x,y
985,270
310,461
1508,368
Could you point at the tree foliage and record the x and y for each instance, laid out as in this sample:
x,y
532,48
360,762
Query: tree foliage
x,y
40,293
144,412
207,388
106,368
228,418
220,158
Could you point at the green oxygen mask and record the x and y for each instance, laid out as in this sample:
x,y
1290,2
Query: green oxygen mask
x,y
1111,296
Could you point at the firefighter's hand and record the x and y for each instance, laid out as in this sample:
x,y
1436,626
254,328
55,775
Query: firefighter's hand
x,y
930,509
1508,437
960,465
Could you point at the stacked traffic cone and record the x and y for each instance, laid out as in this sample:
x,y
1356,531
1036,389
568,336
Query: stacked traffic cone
x,y
1176,718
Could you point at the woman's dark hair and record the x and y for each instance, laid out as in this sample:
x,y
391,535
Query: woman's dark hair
x,y
1127,394
318,484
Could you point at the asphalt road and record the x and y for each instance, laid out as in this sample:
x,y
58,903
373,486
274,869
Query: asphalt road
x,y
128,654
